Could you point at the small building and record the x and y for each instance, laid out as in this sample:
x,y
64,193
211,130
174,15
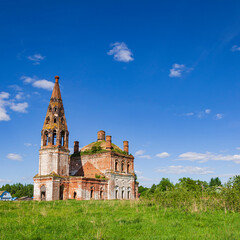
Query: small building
x,y
5,196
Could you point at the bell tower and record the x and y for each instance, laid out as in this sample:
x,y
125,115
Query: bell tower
x,y
54,152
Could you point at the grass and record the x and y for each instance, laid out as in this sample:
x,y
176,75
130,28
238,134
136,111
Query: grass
x,y
113,220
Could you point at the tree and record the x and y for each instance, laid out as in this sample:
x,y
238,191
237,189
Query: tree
x,y
165,185
214,182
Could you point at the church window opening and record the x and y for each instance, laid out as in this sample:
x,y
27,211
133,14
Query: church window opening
x,y
116,166
62,138
128,195
122,167
61,192
128,167
45,139
47,120
55,109
74,195
54,139
116,194
55,120
101,194
122,194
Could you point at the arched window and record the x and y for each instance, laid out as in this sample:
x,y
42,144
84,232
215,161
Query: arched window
x,y
92,193
128,168
54,137
50,109
55,120
45,139
122,166
122,194
101,193
129,194
47,120
74,195
61,192
55,109
116,166
62,138
116,194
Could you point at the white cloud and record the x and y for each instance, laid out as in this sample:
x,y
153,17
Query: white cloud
x,y
5,181
138,172
208,111
42,83
27,79
45,84
121,52
188,114
19,96
178,69
184,170
204,157
238,148
3,103
235,48
14,157
19,107
36,58
28,144
15,87
139,152
219,116
163,155
145,156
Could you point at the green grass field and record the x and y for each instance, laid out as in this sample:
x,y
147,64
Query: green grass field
x,y
112,220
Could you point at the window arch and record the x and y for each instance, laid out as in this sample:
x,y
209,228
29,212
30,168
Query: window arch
x,y
62,138
122,166
45,138
43,192
54,137
92,193
74,195
47,120
55,120
116,165
128,167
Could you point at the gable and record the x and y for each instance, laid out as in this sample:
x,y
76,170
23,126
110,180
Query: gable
x,y
88,170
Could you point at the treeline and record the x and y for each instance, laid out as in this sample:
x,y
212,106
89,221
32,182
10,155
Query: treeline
x,y
195,195
18,190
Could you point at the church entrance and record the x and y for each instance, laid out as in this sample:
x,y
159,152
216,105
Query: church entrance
x,y
61,192
43,193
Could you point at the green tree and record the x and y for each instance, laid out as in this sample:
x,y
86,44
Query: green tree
x,y
214,182
165,185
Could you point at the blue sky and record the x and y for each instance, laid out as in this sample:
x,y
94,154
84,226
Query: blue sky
x,y
162,74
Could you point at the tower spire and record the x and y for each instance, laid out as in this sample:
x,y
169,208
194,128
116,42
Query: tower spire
x,y
55,132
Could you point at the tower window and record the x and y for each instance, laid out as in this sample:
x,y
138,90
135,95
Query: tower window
x,y
45,139
116,166
122,167
55,120
55,109
128,167
62,138
47,120
54,138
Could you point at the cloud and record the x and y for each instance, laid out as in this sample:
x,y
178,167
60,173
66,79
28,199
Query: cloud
x,y
19,96
139,152
204,157
42,83
238,148
235,48
178,69
138,172
121,52
219,116
15,87
5,180
184,170
28,144
3,103
208,111
163,155
45,84
36,58
14,157
188,114
19,107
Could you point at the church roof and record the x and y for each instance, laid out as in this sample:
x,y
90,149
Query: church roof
x,y
101,144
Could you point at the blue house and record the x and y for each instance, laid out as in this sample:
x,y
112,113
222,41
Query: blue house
x,y
5,196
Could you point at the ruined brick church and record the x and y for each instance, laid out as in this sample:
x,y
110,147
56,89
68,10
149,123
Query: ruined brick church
x,y
100,170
